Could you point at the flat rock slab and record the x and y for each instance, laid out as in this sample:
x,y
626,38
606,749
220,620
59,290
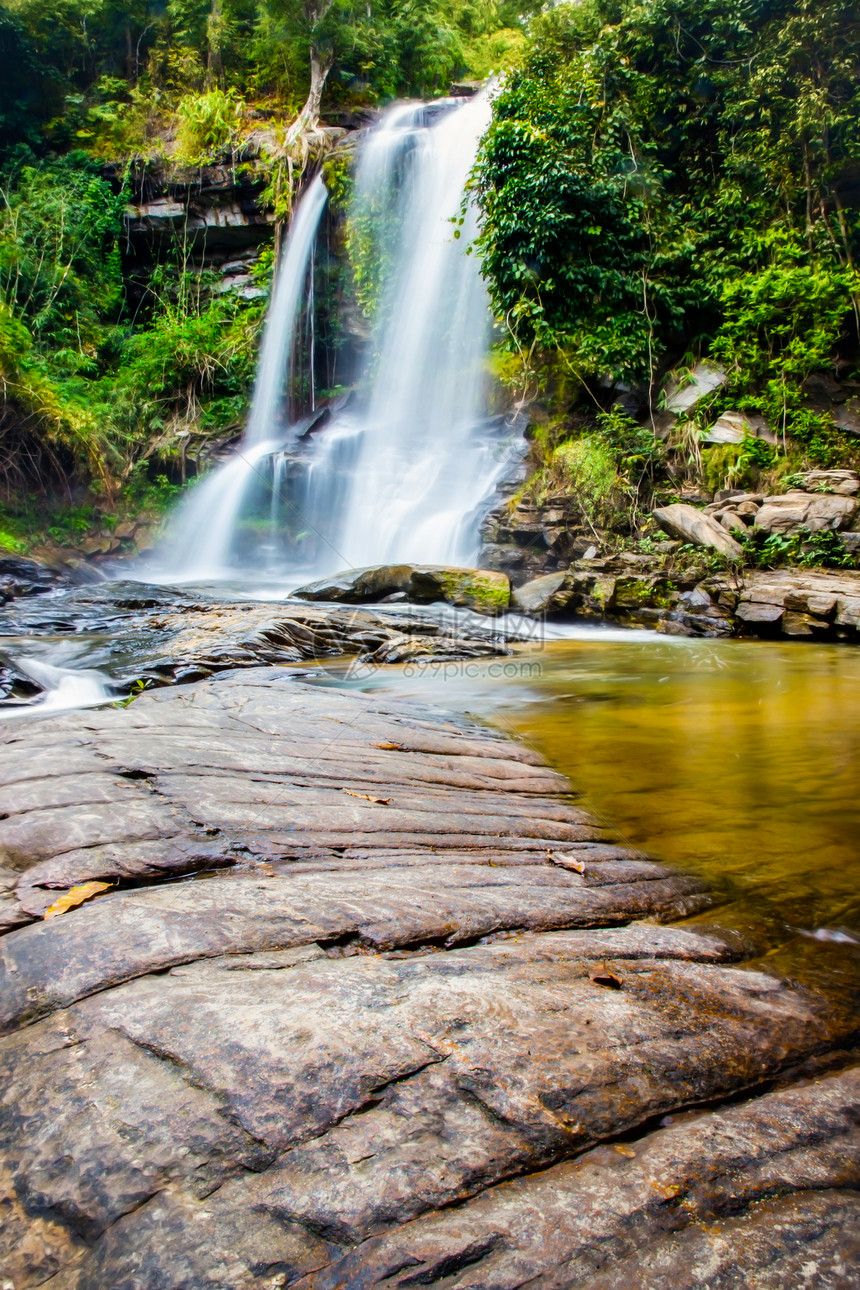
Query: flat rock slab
x,y
371,1041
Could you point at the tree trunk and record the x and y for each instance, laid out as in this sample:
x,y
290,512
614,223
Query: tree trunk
x,y
214,39
308,118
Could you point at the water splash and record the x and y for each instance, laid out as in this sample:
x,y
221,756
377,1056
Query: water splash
x,y
64,689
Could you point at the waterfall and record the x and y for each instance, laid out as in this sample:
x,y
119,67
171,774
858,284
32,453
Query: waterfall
x,y
201,539
406,470
270,402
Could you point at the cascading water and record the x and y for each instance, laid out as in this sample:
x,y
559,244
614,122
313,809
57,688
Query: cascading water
x,y
200,544
407,470
404,477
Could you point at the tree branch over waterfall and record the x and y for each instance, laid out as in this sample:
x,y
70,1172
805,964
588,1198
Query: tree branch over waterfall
x,y
321,51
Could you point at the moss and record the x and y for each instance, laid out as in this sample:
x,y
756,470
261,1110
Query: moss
x,y
484,591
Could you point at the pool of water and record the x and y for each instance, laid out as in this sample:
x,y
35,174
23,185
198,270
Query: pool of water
x,y
739,760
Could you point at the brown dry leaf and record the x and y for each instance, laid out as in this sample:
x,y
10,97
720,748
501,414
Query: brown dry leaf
x,y
604,976
76,896
391,747
380,801
567,862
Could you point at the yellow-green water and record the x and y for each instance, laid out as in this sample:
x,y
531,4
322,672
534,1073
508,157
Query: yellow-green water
x,y
737,760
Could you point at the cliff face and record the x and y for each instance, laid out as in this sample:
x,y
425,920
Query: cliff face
x,y
216,217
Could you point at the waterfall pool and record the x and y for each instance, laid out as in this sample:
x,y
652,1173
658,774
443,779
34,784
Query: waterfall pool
x,y
737,760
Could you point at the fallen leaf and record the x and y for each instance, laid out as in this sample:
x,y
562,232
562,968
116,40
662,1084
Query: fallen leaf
x,y
380,801
603,976
391,747
567,862
76,896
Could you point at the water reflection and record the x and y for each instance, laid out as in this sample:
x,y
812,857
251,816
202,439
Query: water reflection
x,y
738,760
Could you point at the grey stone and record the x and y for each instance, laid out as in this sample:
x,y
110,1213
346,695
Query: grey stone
x,y
689,525
815,511
683,396
539,595
845,482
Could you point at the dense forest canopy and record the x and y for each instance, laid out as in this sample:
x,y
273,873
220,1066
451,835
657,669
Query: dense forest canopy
x,y
91,87
675,175
662,181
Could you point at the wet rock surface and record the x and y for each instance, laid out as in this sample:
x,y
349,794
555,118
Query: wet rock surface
x,y
20,576
410,1030
157,635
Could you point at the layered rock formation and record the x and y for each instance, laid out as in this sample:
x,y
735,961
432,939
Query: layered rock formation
x,y
373,1045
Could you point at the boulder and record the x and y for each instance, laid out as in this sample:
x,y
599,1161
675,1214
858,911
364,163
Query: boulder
x,y
815,511
844,482
847,417
688,524
484,590
538,596
759,613
734,427
704,379
21,576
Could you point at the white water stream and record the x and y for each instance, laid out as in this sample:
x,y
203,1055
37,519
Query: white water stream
x,y
64,689
408,469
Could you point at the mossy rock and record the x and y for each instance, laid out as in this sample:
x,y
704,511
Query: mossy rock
x,y
484,590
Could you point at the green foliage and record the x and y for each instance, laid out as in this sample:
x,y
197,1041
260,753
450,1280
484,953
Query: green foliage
x,y
637,451
84,391
804,549
337,170
60,268
782,322
658,172
587,467
8,542
208,124
737,465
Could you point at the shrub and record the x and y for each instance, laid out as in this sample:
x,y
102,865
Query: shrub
x,y
207,125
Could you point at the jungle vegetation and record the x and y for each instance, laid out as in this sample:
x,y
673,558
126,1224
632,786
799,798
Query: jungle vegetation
x,y
664,180
672,179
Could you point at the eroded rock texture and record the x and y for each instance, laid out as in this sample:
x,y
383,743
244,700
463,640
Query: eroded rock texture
x,y
380,1041
159,636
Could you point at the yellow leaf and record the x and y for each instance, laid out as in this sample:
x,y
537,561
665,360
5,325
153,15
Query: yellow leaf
x,y
380,801
76,896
